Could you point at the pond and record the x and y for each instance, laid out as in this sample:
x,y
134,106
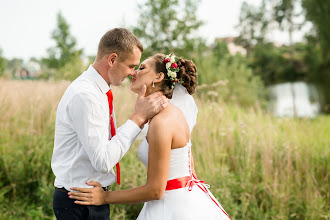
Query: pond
x,y
295,99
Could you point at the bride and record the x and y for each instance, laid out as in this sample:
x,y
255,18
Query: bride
x,y
172,190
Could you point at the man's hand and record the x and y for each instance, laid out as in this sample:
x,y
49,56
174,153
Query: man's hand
x,y
148,107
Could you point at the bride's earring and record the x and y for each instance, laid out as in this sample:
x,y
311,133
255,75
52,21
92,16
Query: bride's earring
x,y
153,84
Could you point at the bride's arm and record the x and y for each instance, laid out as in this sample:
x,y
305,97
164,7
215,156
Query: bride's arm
x,y
159,139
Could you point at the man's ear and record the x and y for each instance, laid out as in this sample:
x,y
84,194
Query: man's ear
x,y
112,58
160,77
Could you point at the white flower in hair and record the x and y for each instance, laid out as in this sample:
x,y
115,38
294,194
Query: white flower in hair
x,y
172,69
172,59
172,74
168,65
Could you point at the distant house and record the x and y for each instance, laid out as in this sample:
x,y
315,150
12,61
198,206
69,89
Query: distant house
x,y
232,47
30,69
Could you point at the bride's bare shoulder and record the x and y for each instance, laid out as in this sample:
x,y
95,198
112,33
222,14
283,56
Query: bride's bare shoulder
x,y
164,117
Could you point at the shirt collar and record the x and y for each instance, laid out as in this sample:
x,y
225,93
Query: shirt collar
x,y
98,79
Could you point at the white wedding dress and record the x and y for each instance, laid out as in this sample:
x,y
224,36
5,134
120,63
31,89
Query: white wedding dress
x,y
194,202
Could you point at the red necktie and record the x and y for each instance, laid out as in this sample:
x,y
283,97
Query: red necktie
x,y
113,130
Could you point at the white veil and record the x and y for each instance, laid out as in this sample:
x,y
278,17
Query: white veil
x,y
185,102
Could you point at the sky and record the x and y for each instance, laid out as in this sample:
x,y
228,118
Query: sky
x,y
26,26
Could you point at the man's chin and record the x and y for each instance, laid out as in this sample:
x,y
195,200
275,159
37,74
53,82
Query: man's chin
x,y
117,83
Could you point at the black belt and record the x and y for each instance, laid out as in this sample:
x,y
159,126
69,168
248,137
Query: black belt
x,y
61,189
66,191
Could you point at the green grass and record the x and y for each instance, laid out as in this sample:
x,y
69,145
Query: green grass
x,y
258,166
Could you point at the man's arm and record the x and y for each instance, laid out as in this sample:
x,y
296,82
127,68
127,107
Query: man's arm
x,y
93,132
158,167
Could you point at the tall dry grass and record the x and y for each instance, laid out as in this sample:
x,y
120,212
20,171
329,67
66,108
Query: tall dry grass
x,y
258,166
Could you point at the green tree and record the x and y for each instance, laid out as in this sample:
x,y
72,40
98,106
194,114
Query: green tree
x,y
14,65
252,26
313,56
65,49
168,25
220,50
318,12
318,48
231,80
284,14
71,70
3,63
269,63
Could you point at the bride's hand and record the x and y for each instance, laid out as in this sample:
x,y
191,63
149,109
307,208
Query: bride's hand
x,y
89,196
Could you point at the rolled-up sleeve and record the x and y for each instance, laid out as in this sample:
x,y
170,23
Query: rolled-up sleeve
x,y
93,132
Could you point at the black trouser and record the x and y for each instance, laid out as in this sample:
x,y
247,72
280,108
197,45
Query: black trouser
x,y
65,209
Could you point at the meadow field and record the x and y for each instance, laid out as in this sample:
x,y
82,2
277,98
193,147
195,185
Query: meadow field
x,y
258,166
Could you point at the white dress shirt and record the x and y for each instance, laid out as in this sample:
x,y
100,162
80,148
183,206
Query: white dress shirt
x,y
82,149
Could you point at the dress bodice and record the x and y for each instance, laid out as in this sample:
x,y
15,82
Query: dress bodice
x,y
179,159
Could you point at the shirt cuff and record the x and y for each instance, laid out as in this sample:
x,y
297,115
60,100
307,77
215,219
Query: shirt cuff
x,y
131,129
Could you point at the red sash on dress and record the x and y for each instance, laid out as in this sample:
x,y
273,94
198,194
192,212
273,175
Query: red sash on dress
x,y
189,182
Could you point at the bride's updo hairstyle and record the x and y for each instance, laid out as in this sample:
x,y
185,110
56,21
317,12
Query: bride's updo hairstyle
x,y
187,73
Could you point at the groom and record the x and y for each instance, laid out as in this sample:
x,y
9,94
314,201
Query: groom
x,y
87,145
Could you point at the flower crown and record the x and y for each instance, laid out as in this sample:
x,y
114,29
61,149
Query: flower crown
x,y
172,68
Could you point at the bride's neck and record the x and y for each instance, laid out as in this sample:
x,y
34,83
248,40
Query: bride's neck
x,y
151,90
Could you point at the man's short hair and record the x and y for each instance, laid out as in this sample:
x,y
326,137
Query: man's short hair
x,y
120,41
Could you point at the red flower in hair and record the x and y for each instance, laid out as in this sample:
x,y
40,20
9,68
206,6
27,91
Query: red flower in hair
x,y
174,65
167,60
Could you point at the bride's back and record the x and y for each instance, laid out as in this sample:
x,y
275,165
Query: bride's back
x,y
176,125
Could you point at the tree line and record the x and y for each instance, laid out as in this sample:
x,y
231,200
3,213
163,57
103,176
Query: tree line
x,y
172,26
